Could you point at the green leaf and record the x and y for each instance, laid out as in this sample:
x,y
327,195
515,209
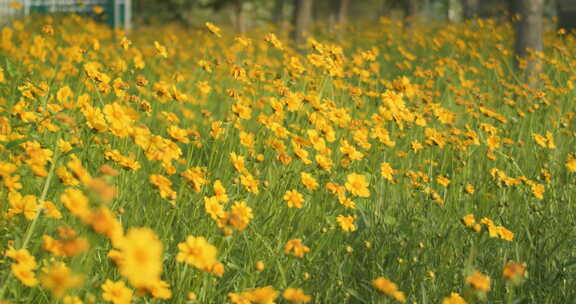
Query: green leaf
x,y
10,68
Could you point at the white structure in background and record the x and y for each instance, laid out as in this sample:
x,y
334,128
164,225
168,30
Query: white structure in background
x,y
119,12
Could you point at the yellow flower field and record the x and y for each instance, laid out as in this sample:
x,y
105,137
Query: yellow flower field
x,y
191,165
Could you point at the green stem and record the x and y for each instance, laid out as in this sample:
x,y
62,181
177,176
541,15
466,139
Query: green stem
x,y
40,208
510,290
33,225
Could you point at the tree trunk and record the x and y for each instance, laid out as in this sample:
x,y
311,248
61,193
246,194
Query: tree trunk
x,y
529,30
513,10
566,15
240,17
343,12
453,13
410,10
470,9
301,19
278,11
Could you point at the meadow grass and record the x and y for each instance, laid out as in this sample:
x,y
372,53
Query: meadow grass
x,y
434,118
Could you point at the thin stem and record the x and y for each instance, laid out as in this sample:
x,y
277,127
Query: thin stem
x,y
30,230
40,208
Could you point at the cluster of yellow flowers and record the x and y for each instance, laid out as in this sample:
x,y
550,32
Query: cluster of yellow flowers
x,y
168,156
494,231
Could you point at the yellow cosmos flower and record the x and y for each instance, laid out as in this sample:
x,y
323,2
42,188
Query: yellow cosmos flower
x,y
141,257
296,295
64,248
273,40
545,141
469,189
58,278
324,162
386,171
240,215
479,281
72,300
346,202
294,198
24,274
443,181
514,271
125,43
346,223
250,183
308,181
389,288
163,184
264,295
538,190
213,29
104,222
296,248
357,185
214,208
196,251
116,292
220,192
23,257
454,298
238,162
160,50
178,134
571,163
76,202
26,205
196,176
247,139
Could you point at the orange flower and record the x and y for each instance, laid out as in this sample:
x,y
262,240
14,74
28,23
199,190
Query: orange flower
x,y
163,184
296,247
514,271
308,181
240,215
27,205
390,288
296,295
294,198
58,278
454,298
478,281
346,223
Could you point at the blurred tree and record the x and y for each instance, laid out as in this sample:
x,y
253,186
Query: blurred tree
x,y
240,18
529,30
470,9
301,19
343,12
154,11
338,17
566,14
410,8
278,11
